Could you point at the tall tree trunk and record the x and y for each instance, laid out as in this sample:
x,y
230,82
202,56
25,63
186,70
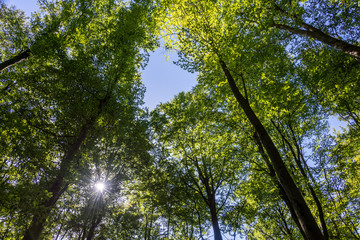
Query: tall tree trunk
x,y
146,228
210,200
168,225
96,221
16,59
150,225
214,218
58,186
276,181
200,227
39,219
302,211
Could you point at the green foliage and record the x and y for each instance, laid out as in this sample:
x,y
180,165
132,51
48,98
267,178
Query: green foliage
x,y
80,85
284,76
203,158
70,115
14,35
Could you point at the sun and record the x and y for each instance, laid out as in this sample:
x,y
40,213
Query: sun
x,y
99,186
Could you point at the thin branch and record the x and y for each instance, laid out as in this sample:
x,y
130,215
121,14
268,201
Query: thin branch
x,y
244,86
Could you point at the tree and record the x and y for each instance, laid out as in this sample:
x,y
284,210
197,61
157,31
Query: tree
x,y
202,151
64,98
111,160
208,28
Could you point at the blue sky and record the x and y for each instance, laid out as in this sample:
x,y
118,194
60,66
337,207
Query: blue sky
x,y
162,78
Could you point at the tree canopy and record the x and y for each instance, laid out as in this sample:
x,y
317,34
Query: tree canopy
x,y
246,154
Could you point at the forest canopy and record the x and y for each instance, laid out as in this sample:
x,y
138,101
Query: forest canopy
x,y
246,154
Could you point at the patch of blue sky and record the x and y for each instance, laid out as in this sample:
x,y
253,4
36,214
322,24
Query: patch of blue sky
x,y
161,77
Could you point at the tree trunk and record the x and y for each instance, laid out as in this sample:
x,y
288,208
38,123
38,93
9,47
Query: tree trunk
x,y
16,59
146,227
302,211
276,181
200,227
214,218
168,226
57,187
96,221
39,219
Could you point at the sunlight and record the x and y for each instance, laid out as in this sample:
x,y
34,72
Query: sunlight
x,y
99,186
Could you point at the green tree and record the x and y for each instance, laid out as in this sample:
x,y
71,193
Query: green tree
x,y
114,162
85,80
207,35
204,155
